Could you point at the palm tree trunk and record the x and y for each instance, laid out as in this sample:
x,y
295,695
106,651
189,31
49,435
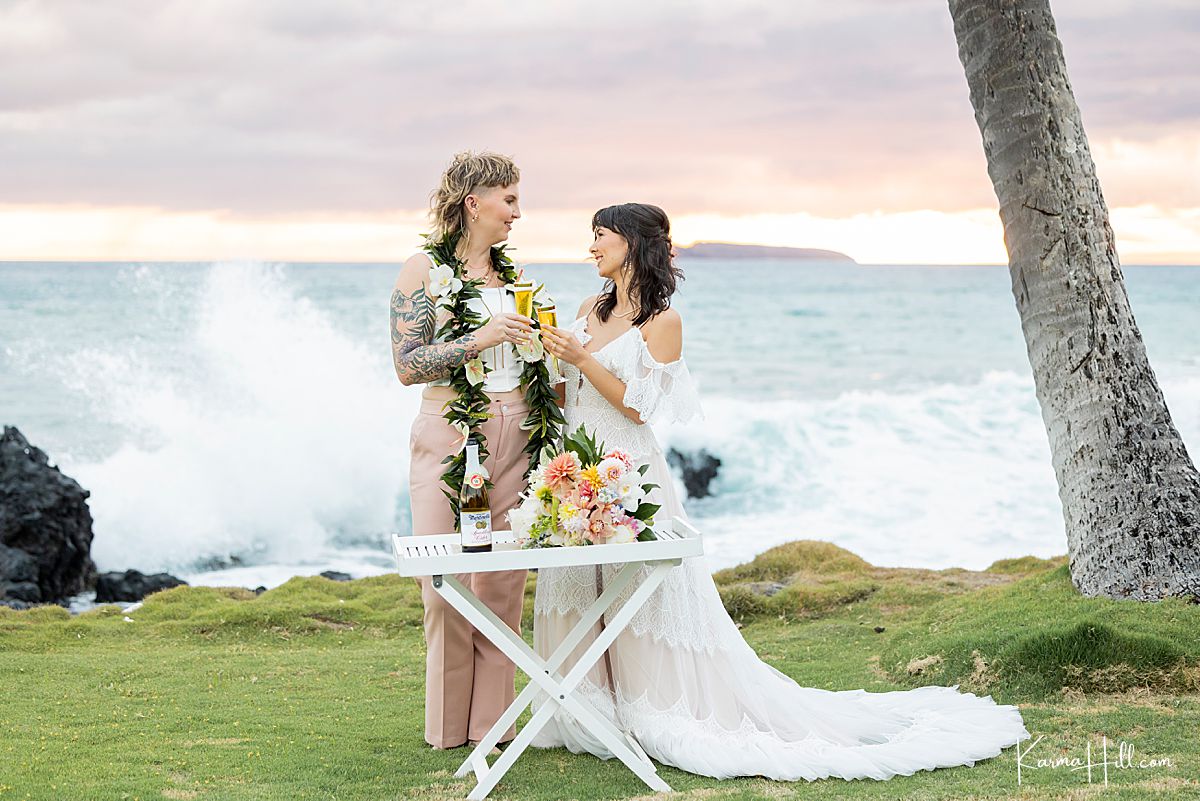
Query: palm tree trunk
x,y
1130,493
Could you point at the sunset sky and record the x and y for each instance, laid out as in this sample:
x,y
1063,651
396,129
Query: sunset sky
x,y
294,130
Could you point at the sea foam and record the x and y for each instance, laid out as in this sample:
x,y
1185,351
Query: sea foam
x,y
270,435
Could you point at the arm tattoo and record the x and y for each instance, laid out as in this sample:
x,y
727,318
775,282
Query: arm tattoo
x,y
415,354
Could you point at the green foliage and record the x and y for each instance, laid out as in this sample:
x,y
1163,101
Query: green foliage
x,y
583,445
545,420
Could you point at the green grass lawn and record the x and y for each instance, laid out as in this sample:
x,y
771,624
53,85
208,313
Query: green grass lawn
x,y
314,689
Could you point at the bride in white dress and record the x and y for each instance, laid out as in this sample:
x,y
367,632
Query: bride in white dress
x,y
680,679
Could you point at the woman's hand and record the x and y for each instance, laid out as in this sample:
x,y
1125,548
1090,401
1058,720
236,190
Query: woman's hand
x,y
563,345
504,328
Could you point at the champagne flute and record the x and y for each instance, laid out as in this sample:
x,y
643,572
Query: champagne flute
x,y
523,297
548,315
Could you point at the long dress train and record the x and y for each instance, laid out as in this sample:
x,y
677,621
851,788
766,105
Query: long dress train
x,y
683,681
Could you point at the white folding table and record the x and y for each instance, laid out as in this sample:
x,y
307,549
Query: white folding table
x,y
439,556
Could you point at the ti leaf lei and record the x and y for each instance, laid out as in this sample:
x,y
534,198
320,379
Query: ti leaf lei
x,y
467,412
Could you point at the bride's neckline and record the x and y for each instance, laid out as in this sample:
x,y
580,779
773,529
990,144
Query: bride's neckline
x,y
610,342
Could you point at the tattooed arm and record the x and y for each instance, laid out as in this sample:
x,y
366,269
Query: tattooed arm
x,y
416,357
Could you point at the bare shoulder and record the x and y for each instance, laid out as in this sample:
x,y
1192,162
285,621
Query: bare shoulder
x,y
664,336
665,320
586,307
414,273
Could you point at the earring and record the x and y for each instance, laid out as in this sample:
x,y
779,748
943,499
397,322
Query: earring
x,y
475,217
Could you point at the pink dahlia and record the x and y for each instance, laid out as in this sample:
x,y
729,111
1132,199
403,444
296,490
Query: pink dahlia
x,y
562,471
617,453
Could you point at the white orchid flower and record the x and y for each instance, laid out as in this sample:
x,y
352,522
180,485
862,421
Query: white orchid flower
x,y
442,282
631,495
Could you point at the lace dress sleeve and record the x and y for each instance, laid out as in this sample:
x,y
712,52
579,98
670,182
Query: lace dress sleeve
x,y
656,390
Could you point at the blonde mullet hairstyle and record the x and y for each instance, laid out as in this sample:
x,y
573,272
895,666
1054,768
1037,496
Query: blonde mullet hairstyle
x,y
467,172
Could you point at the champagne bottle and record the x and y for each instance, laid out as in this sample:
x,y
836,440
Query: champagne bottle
x,y
475,517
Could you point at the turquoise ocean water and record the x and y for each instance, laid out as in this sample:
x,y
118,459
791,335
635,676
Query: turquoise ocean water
x,y
240,422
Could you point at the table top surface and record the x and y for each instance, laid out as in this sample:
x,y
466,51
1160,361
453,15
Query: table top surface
x,y
439,554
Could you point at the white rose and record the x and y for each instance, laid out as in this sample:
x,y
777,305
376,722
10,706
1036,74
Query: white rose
x,y
611,471
570,517
519,520
622,535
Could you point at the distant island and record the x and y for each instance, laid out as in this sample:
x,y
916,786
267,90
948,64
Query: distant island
x,y
729,250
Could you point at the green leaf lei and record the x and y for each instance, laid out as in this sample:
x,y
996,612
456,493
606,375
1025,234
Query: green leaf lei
x,y
468,411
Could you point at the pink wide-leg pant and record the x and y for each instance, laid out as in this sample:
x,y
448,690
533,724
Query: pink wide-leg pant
x,y
468,681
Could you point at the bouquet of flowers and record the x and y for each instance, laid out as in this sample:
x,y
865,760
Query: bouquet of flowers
x,y
585,495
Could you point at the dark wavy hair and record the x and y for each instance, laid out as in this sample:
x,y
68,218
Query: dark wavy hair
x,y
654,275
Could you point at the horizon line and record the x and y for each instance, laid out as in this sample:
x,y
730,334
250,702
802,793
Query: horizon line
x,y
556,263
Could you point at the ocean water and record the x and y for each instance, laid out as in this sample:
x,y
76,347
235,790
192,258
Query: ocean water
x,y
241,422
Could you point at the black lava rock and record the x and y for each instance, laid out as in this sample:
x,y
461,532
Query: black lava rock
x,y
697,470
18,576
132,585
334,575
43,514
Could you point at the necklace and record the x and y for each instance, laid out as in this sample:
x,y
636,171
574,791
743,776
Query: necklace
x,y
627,315
484,276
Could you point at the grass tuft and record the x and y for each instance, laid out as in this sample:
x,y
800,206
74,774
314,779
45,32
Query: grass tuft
x,y
1038,636
784,561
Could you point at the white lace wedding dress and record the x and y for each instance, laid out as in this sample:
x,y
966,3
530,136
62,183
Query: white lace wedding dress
x,y
683,681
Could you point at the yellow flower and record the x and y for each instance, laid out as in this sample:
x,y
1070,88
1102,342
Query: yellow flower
x,y
592,475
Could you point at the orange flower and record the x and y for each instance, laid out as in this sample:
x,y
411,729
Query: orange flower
x,y
562,471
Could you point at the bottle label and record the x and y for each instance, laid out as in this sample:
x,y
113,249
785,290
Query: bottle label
x,y
476,527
